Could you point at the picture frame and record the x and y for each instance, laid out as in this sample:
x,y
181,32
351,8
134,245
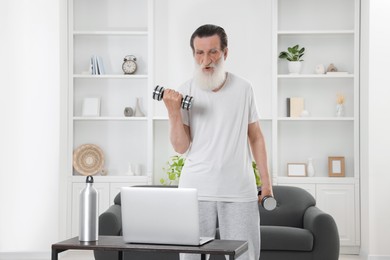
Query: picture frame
x,y
296,169
336,166
91,107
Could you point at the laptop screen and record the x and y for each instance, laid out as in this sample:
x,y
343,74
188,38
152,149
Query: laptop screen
x,y
160,215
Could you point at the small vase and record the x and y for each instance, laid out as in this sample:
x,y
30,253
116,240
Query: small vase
x,y
310,168
340,110
294,67
138,112
130,171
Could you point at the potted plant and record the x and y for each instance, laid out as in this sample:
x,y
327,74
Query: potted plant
x,y
176,163
173,170
294,57
257,175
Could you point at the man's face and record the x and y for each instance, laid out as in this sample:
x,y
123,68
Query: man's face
x,y
207,53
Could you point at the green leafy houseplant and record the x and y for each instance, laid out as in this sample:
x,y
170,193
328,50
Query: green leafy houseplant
x,y
173,170
176,163
257,175
293,53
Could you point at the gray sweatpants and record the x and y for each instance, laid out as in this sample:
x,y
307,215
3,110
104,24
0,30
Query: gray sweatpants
x,y
236,221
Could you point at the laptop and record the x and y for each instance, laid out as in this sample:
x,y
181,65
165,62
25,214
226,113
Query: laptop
x,y
153,215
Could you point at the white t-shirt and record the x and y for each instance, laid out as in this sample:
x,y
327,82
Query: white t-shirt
x,y
219,161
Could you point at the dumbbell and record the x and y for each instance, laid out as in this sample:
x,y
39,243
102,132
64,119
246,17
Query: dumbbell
x,y
158,93
268,202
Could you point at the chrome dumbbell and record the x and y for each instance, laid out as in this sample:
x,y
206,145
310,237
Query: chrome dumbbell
x,y
268,202
158,93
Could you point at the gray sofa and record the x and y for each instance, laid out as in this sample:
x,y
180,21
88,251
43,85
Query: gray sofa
x,y
295,230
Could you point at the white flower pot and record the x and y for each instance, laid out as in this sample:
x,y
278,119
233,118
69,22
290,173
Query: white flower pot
x,y
294,67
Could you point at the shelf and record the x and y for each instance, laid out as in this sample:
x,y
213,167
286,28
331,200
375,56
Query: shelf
x,y
160,118
315,32
109,76
112,178
109,118
165,118
315,119
314,76
318,180
110,32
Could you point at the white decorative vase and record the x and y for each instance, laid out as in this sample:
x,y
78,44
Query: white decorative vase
x,y
138,112
130,171
340,110
310,168
320,69
294,67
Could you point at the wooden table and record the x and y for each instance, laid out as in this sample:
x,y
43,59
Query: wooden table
x,y
232,248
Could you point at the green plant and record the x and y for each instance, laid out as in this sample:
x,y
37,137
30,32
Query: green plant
x,y
176,163
173,170
293,53
257,175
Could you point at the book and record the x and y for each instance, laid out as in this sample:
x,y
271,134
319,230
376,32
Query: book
x,y
288,100
96,66
94,71
100,66
297,105
91,66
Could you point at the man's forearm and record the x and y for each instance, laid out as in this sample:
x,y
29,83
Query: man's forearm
x,y
259,154
179,134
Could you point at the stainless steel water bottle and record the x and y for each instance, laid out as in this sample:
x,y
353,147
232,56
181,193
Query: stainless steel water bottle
x,y
89,226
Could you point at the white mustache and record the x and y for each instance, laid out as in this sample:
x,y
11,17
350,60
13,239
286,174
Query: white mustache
x,y
210,65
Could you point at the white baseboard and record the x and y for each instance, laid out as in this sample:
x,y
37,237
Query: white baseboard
x,y
349,250
67,255
378,257
25,256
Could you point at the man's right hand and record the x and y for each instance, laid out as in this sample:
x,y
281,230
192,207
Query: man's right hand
x,y
172,100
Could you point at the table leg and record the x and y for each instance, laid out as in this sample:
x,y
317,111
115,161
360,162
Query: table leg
x,y
120,255
55,252
203,257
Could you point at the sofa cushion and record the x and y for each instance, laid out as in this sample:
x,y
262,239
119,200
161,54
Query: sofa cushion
x,y
278,238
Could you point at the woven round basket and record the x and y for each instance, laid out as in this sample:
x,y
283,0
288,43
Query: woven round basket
x,y
88,159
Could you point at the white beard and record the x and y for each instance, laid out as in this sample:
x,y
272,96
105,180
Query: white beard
x,y
211,81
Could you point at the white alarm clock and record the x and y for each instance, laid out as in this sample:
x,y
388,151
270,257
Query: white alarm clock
x,y
129,65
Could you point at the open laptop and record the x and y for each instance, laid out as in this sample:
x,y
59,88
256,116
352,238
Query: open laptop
x,y
161,216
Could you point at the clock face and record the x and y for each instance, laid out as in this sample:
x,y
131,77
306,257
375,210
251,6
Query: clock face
x,y
129,67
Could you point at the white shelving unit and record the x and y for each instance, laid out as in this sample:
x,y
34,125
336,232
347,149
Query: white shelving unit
x,y
329,31
112,30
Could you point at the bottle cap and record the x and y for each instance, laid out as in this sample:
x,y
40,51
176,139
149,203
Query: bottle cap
x,y
89,179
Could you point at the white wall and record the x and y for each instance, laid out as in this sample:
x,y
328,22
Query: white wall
x,y
379,129
29,112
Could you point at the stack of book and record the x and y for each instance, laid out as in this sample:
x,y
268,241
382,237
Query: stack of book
x,y
295,106
96,66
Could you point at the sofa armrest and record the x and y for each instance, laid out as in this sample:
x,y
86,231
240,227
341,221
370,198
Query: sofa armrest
x,y
326,236
110,221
